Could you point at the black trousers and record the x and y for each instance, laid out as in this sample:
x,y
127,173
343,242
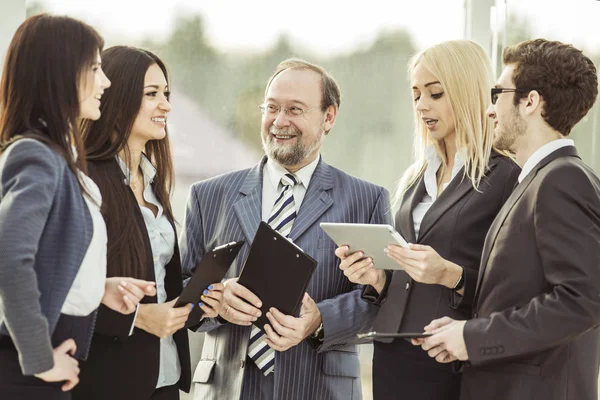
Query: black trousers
x,y
166,393
15,386
403,371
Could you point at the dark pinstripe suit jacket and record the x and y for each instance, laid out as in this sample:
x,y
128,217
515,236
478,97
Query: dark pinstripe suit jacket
x,y
228,208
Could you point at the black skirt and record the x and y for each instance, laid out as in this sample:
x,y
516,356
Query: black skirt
x,y
403,371
15,386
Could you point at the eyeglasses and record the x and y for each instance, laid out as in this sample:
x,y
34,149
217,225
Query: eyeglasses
x,y
497,91
273,110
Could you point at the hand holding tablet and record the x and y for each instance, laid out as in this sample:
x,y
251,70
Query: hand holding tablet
x,y
371,239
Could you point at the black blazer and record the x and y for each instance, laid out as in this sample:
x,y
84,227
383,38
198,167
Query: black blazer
x,y
126,367
535,333
455,226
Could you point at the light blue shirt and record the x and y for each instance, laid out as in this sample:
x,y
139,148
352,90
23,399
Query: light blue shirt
x,y
162,241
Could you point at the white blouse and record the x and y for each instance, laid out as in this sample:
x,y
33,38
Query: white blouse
x,y
434,162
87,290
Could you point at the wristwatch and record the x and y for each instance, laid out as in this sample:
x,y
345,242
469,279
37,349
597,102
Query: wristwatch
x,y
460,282
319,334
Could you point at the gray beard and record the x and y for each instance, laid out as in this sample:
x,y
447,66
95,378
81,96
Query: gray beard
x,y
289,155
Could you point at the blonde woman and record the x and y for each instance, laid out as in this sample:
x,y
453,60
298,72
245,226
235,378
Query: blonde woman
x,y
447,201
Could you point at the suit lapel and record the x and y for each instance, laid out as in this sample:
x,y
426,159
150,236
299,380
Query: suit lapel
x,y
316,201
508,206
456,190
406,226
248,208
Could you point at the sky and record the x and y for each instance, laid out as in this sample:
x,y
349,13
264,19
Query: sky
x,y
326,27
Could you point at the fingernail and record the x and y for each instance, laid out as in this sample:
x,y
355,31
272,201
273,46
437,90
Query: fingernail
x,y
123,283
362,254
205,292
192,307
254,319
202,297
210,287
201,304
259,304
120,288
386,250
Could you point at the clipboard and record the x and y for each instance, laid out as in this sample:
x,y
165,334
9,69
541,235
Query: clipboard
x,y
277,271
211,269
399,335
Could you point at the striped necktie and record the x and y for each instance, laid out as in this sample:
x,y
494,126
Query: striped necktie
x,y
281,219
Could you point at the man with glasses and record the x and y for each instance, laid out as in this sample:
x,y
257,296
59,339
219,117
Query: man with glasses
x,y
534,332
293,189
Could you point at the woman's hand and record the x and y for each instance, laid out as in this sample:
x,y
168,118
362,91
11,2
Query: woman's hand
x,y
425,265
162,319
211,299
123,294
359,269
65,369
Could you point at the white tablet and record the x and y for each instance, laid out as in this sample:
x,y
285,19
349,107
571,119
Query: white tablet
x,y
370,238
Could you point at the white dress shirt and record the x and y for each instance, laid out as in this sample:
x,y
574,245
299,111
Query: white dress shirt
x,y
542,153
87,289
434,162
162,241
272,174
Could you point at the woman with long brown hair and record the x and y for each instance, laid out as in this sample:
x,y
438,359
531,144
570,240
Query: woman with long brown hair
x,y
52,236
145,355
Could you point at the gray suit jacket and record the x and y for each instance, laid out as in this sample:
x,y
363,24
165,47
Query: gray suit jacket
x,y
537,305
45,230
228,208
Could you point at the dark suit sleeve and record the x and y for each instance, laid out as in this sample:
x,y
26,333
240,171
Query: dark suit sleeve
x,y
506,178
112,323
192,249
348,314
29,181
369,294
566,217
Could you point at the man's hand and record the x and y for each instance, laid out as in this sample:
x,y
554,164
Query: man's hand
x,y
239,305
360,270
162,320
66,368
286,331
124,294
447,343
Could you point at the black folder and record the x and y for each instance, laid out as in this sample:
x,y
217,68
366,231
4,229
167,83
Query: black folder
x,y
277,271
212,268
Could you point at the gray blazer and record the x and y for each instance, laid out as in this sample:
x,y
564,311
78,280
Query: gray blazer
x,y
45,230
228,208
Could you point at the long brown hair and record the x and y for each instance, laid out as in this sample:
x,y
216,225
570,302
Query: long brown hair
x,y
104,139
39,90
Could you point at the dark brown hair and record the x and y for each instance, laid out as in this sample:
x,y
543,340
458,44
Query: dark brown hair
x,y
39,90
126,68
330,90
564,77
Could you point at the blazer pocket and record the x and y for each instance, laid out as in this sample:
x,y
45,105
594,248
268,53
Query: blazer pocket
x,y
204,371
517,368
341,363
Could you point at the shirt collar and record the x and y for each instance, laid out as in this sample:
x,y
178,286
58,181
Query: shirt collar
x,y
542,153
148,170
433,164
276,171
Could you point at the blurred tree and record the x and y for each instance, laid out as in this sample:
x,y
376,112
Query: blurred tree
x,y
33,8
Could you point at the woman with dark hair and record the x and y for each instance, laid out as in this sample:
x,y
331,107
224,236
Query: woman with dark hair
x,y
52,236
146,355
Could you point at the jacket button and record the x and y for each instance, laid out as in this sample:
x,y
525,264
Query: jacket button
x,y
115,338
474,315
501,349
242,363
407,285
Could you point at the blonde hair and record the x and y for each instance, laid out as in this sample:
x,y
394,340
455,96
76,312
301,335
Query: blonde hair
x,y
465,73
